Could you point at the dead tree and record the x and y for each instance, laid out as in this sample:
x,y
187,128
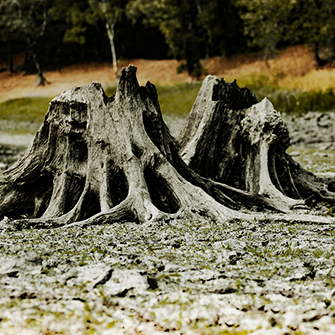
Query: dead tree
x,y
98,160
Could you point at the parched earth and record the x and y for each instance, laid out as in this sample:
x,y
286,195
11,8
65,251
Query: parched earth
x,y
176,276
179,277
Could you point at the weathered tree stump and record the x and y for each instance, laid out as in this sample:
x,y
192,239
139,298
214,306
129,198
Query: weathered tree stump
x,y
230,138
99,160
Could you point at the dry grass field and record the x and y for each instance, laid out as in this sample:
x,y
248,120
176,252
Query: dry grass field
x,y
293,67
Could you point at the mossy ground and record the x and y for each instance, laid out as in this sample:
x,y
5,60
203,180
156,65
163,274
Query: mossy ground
x,y
24,109
176,100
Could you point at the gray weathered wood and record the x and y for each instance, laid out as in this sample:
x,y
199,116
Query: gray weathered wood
x,y
241,145
98,160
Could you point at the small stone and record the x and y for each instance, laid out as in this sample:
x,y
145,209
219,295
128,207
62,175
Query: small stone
x,y
152,282
103,279
229,323
176,244
112,244
123,293
275,310
226,290
325,123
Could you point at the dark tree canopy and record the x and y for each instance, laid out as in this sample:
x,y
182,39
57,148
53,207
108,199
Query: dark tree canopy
x,y
98,160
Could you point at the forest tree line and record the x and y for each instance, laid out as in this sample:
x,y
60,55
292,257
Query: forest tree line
x,y
56,33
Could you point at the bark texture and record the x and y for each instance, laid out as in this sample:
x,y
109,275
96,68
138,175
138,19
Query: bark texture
x,y
105,159
98,160
233,140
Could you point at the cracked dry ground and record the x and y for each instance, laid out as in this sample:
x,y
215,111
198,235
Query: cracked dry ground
x,y
179,277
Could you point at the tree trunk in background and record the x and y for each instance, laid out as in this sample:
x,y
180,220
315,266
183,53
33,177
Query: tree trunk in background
x,y
98,160
319,61
42,80
10,58
110,22
110,33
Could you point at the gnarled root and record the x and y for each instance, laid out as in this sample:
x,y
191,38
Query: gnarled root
x,y
98,160
241,148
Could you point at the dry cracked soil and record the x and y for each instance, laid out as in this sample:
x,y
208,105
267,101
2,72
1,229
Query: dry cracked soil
x,y
178,276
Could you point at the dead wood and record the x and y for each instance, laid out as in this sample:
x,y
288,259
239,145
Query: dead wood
x,y
241,144
98,160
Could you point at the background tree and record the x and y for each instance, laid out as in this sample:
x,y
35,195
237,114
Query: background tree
x,y
87,17
178,21
27,18
313,22
193,29
223,25
72,15
265,22
109,11
9,34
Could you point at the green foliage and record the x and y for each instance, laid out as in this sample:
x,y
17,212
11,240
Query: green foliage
x,y
270,23
177,22
265,22
76,15
24,17
191,27
316,21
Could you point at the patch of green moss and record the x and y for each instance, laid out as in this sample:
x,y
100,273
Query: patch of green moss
x,y
110,90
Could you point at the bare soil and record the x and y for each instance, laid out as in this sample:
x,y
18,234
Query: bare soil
x,y
291,67
19,84
179,277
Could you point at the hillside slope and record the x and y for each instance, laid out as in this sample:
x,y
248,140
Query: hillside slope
x,y
293,67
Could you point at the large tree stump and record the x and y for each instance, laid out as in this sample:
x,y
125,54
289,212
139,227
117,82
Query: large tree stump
x,y
99,160
233,140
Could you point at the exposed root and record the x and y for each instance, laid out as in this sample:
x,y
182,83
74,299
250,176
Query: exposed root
x,y
99,160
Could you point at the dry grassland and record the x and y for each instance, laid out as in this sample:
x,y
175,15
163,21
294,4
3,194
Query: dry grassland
x,y
293,67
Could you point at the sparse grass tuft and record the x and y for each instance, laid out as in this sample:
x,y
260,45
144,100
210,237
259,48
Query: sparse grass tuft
x,y
24,109
176,100
291,101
